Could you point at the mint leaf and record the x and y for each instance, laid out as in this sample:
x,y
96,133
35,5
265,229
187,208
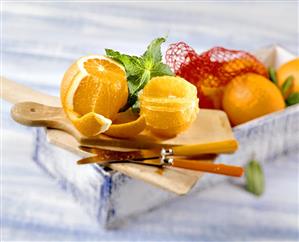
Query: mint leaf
x,y
288,83
272,75
153,53
161,69
131,63
293,99
140,70
255,181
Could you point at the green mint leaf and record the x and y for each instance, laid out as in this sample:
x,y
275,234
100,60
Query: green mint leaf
x,y
293,99
288,83
153,53
131,63
161,69
255,181
272,75
136,83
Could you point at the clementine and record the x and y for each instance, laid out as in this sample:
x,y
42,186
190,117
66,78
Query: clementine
x,y
250,96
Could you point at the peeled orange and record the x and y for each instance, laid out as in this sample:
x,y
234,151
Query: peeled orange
x,y
92,91
250,96
169,105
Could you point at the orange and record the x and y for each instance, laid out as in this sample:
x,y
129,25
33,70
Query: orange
x,y
126,125
169,105
290,68
92,91
249,96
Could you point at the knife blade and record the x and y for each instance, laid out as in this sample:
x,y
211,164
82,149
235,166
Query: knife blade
x,y
99,160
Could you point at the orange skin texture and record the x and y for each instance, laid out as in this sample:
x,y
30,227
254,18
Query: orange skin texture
x,y
250,96
290,68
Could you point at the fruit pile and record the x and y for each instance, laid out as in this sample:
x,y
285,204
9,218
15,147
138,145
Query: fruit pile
x,y
122,95
212,70
235,81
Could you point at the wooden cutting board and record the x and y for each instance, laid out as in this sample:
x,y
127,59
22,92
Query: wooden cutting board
x,y
210,126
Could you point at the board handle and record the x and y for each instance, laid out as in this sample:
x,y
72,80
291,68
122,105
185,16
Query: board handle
x,y
227,146
39,115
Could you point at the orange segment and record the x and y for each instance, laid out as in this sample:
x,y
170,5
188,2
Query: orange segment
x,y
92,92
170,88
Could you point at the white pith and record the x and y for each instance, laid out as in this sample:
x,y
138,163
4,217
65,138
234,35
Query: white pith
x,y
106,123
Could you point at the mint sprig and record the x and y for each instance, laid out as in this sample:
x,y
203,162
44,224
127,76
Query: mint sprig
x,y
141,69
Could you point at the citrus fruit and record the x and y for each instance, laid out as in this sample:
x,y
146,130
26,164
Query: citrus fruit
x,y
211,70
92,91
249,96
290,68
126,125
169,105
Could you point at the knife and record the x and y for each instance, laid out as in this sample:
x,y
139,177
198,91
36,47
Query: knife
x,y
203,166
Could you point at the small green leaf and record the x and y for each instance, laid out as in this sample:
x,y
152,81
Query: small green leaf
x,y
153,53
255,181
288,83
293,99
131,63
272,75
161,69
139,82
140,70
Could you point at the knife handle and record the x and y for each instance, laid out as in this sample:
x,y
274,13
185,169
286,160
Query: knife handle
x,y
209,167
227,146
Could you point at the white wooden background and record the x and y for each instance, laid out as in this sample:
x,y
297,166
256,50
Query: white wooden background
x,y
40,39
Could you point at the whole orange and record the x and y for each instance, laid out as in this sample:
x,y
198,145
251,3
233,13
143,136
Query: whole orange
x,y
290,68
250,96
